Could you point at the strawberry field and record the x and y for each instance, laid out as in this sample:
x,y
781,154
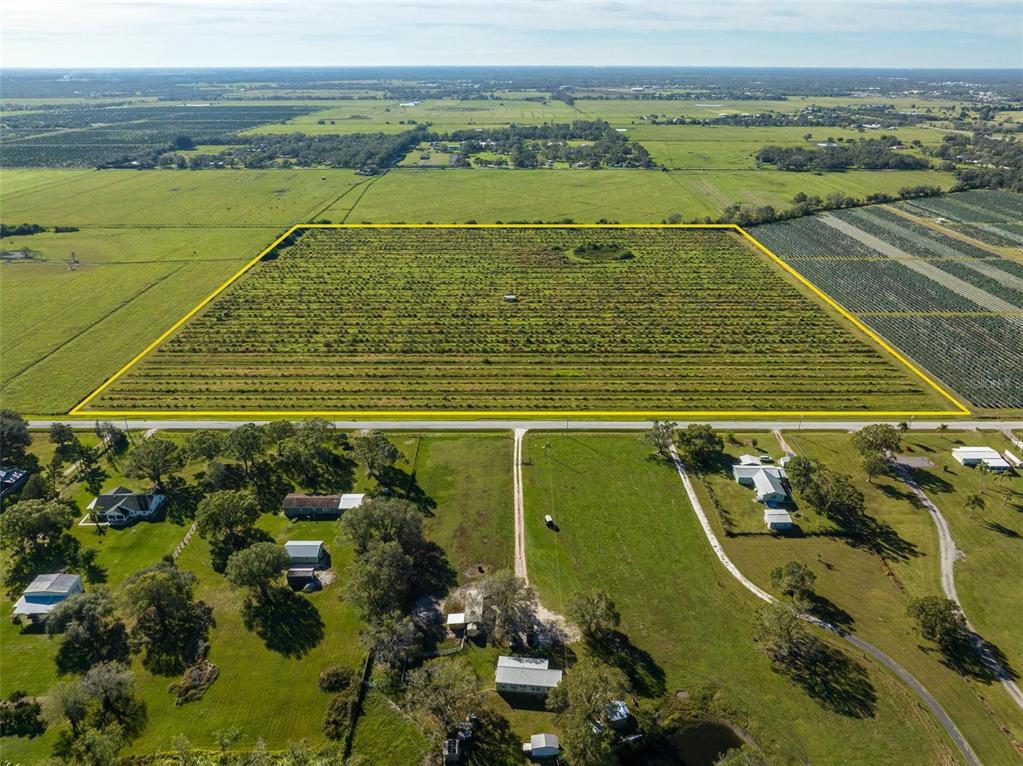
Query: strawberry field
x,y
479,319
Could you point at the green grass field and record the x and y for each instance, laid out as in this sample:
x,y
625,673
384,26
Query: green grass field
x,y
626,527
726,146
451,114
697,321
587,196
867,591
992,540
152,244
266,692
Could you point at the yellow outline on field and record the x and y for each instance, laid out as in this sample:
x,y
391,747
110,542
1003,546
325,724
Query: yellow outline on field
x,y
522,414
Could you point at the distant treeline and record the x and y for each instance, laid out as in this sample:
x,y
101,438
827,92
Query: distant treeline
x,y
28,229
804,205
527,146
868,154
853,117
369,152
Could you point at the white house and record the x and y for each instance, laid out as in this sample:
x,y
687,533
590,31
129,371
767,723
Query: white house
x,y
45,592
743,473
974,456
769,481
121,506
526,675
307,552
769,488
541,746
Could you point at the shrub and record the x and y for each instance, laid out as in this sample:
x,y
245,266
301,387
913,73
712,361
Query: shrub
x,y
339,714
336,678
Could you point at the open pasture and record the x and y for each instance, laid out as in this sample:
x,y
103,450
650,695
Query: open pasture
x,y
149,246
588,196
730,146
497,319
954,307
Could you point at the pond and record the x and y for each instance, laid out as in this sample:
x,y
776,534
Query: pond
x,y
703,742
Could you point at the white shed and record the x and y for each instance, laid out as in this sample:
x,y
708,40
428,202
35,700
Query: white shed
x,y
542,746
308,552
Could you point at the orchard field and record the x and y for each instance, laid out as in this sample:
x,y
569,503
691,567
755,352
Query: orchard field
x,y
937,278
612,319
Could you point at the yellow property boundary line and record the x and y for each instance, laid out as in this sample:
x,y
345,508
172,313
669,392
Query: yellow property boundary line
x,y
960,409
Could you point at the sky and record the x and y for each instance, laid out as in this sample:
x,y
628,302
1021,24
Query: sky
x,y
247,33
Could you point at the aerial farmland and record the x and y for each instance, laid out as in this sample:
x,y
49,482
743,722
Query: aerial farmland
x,y
463,319
599,416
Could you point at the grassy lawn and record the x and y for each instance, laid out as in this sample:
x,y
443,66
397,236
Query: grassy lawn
x,y
469,477
626,527
385,736
991,541
866,592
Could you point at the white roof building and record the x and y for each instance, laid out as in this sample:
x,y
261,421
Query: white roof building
x,y
777,519
309,552
541,746
768,487
972,456
45,592
529,675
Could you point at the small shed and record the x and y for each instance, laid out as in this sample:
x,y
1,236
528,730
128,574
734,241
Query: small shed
x,y
541,746
299,577
350,501
307,552
778,520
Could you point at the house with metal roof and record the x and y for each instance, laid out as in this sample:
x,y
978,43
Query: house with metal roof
x,y
44,593
743,473
973,456
123,506
11,480
526,675
307,553
769,487
300,506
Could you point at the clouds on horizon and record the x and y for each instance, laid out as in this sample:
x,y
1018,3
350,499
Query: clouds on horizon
x,y
111,33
